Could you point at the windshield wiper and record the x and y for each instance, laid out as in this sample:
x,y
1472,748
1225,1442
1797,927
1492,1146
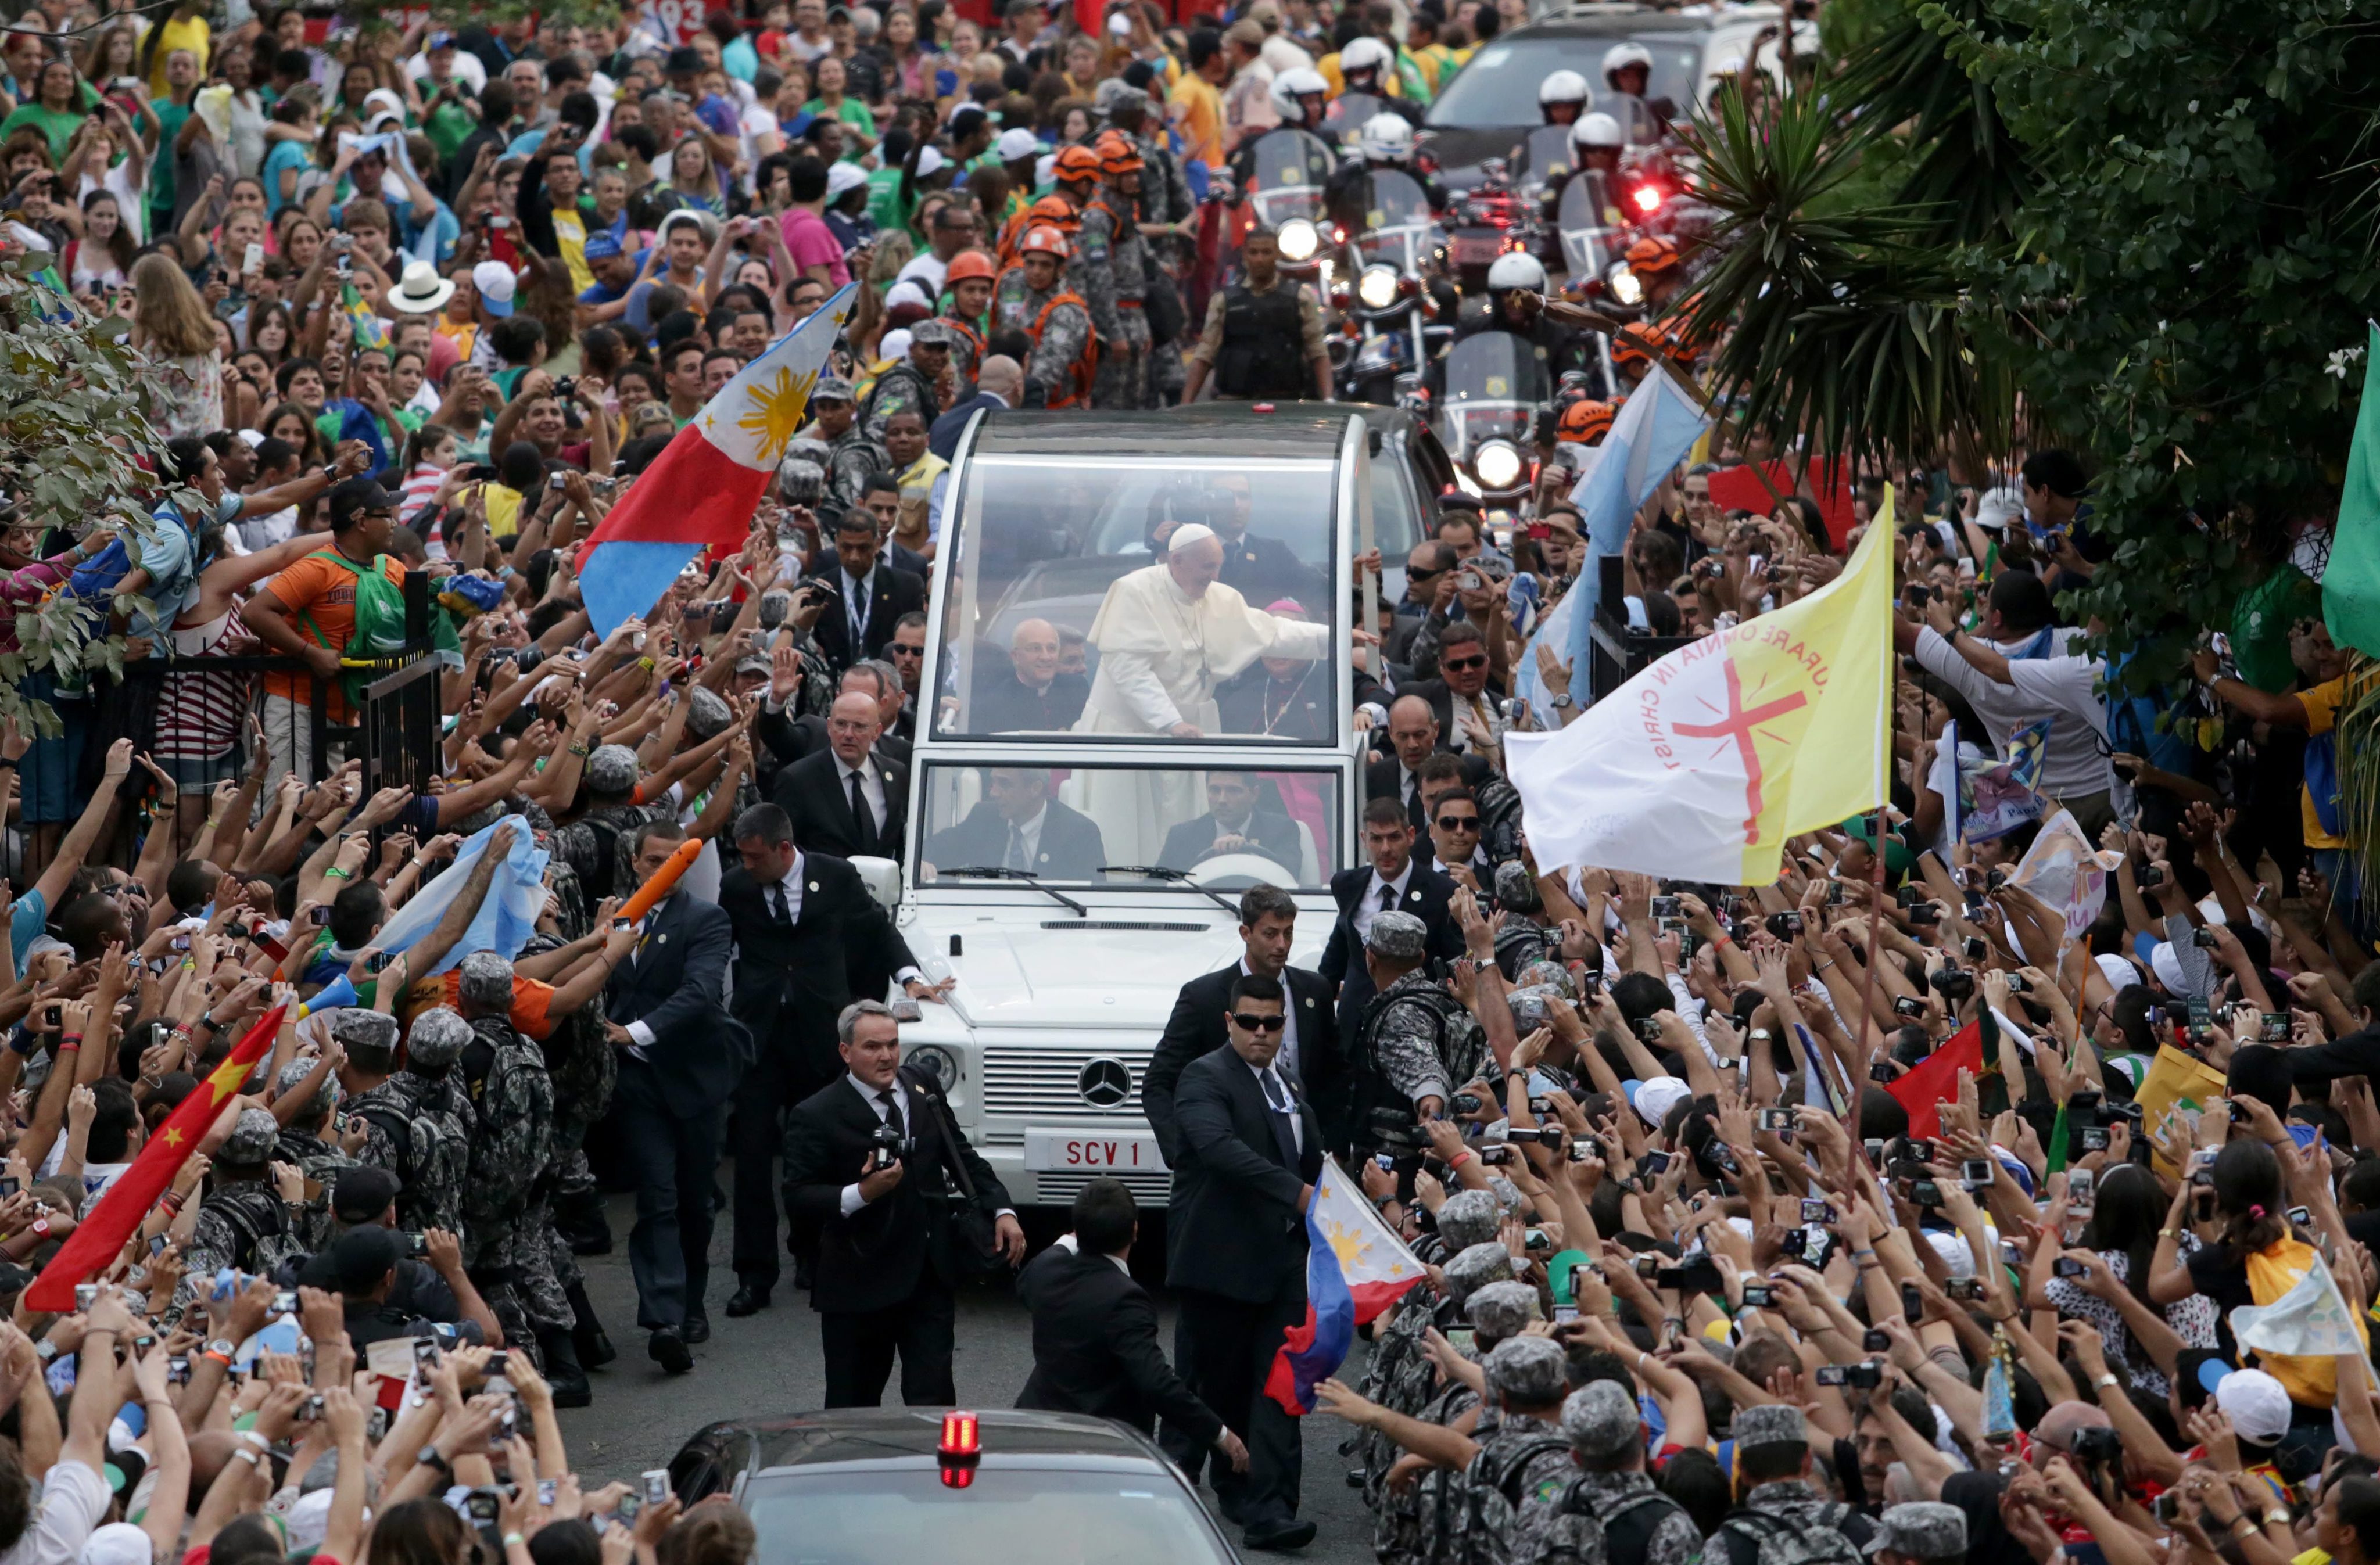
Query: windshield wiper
x,y
984,872
1180,877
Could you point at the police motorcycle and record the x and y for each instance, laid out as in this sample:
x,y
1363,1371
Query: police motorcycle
x,y
1402,306
1282,175
1350,112
1487,222
1487,417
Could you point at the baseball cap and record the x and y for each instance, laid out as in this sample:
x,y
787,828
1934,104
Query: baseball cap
x,y
363,1193
931,161
601,245
842,176
495,283
352,495
1015,145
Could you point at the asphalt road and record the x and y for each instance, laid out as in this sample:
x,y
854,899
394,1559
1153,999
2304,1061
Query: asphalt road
x,y
768,1364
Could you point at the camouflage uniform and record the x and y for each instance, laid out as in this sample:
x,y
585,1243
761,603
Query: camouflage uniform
x,y
1519,939
1522,1459
1827,1530
1123,362
582,844
1091,272
1400,1376
903,388
241,1223
851,459
1165,198
310,1219
1411,1520
506,1228
1417,1043
1499,821
1564,1523
1017,304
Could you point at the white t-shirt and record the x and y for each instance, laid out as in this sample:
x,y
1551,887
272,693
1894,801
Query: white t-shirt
x,y
926,269
74,1499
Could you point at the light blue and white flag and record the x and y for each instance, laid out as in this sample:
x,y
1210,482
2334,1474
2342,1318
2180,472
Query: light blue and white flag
x,y
1657,425
504,924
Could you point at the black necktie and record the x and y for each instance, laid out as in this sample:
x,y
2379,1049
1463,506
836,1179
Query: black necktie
x,y
1388,899
893,1113
1016,848
777,904
863,820
1285,1130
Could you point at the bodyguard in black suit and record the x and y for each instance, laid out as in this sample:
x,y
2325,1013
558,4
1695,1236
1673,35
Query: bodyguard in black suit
x,y
1235,1253
1309,1047
872,593
1415,731
1095,1331
1233,819
1021,827
846,799
890,1253
1394,879
665,1008
802,922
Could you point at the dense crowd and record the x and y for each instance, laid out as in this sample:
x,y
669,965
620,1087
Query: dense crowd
x,y
1698,1276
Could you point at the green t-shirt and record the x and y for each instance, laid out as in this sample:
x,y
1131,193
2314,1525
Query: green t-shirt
x,y
851,111
885,207
58,126
171,116
449,125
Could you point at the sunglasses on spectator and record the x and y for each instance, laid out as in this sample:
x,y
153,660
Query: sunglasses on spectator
x,y
1259,1023
1476,660
1458,823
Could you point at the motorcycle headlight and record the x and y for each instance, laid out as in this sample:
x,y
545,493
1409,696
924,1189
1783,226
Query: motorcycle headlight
x,y
1299,239
1625,284
1498,463
1377,287
936,1061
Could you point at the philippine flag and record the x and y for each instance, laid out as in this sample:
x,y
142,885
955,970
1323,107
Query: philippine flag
x,y
1356,1267
700,491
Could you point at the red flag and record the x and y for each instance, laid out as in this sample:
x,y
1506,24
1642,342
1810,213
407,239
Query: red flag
x,y
1933,1080
99,1239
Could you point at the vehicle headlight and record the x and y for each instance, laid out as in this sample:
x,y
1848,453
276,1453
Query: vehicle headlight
x,y
1496,462
936,1061
1623,284
1377,287
1299,239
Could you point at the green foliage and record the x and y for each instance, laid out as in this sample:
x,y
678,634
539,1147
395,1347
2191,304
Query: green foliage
x,y
2150,219
70,426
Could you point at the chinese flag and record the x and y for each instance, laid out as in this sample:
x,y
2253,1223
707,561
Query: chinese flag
x,y
1931,1083
95,1244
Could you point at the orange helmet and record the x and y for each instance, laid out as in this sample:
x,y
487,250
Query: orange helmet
x,y
970,263
1076,162
1055,211
1117,154
1656,253
1584,422
1043,237
1634,343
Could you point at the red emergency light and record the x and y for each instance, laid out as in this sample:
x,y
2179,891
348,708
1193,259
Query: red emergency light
x,y
1647,198
961,1445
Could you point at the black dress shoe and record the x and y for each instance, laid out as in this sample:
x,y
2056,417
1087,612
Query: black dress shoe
x,y
1292,1533
668,1351
594,1345
696,1328
750,1299
571,1389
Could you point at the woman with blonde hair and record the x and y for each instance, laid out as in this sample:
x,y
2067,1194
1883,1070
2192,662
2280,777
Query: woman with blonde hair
x,y
172,326
693,179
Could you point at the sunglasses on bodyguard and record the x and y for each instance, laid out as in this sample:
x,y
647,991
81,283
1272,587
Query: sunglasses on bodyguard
x,y
1259,1023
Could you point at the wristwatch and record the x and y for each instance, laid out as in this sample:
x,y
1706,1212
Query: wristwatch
x,y
428,1457
1561,702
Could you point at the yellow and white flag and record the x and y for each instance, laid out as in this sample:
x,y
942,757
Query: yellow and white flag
x,y
1702,765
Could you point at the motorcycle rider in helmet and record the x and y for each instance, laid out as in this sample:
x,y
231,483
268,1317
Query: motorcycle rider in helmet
x,y
1627,68
1301,97
1385,141
1562,97
1516,288
1595,144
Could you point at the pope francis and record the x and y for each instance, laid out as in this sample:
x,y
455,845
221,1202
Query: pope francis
x,y
1167,635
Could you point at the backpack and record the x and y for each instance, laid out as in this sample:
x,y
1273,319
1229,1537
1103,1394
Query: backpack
x,y
1752,1536
380,621
1484,1537
1628,1531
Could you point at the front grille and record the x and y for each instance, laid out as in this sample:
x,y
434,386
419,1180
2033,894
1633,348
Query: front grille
x,y
1039,1086
1060,1189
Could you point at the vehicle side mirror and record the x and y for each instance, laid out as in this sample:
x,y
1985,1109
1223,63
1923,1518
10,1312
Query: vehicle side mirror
x,y
883,878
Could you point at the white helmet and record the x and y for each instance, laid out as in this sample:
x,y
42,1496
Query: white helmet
x,y
1620,56
1386,138
1292,85
1561,87
1597,130
1363,53
1516,269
